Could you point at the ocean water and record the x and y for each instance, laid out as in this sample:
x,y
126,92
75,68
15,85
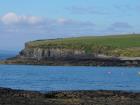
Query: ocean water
x,y
7,55
57,78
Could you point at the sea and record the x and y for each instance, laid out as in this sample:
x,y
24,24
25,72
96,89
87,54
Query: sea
x,y
66,78
7,54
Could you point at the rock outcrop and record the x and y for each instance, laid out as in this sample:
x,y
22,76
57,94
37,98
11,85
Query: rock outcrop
x,y
53,53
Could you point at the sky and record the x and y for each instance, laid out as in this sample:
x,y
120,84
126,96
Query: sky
x,y
26,20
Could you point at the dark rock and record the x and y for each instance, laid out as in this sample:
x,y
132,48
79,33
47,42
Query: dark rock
x,y
19,97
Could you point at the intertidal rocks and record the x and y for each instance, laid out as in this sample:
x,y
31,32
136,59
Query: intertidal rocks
x,y
19,97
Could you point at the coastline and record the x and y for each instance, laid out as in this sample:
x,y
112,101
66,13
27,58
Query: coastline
x,y
118,50
20,97
74,62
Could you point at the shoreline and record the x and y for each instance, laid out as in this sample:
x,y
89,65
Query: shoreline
x,y
74,62
99,97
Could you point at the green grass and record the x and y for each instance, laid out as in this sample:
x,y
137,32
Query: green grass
x,y
109,45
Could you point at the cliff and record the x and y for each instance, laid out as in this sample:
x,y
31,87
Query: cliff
x,y
99,51
48,53
83,47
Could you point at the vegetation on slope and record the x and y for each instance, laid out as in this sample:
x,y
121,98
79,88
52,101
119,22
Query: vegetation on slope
x,y
117,45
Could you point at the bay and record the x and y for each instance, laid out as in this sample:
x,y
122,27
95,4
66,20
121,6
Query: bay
x,y
61,78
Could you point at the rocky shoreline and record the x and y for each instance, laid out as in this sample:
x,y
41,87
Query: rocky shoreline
x,y
20,97
74,61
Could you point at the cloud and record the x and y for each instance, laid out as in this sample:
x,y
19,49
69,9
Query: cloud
x,y
127,9
38,27
86,10
15,29
34,27
12,18
70,22
119,28
120,25
32,19
62,21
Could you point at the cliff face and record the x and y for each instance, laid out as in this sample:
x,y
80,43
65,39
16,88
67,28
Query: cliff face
x,y
47,53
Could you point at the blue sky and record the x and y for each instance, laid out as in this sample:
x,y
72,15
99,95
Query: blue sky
x,y
25,20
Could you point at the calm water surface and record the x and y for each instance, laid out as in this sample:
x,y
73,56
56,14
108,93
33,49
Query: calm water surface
x,y
7,55
54,78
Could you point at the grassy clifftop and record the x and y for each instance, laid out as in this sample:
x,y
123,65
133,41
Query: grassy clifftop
x,y
117,45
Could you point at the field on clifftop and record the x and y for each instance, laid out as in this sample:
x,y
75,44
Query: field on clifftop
x,y
115,45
